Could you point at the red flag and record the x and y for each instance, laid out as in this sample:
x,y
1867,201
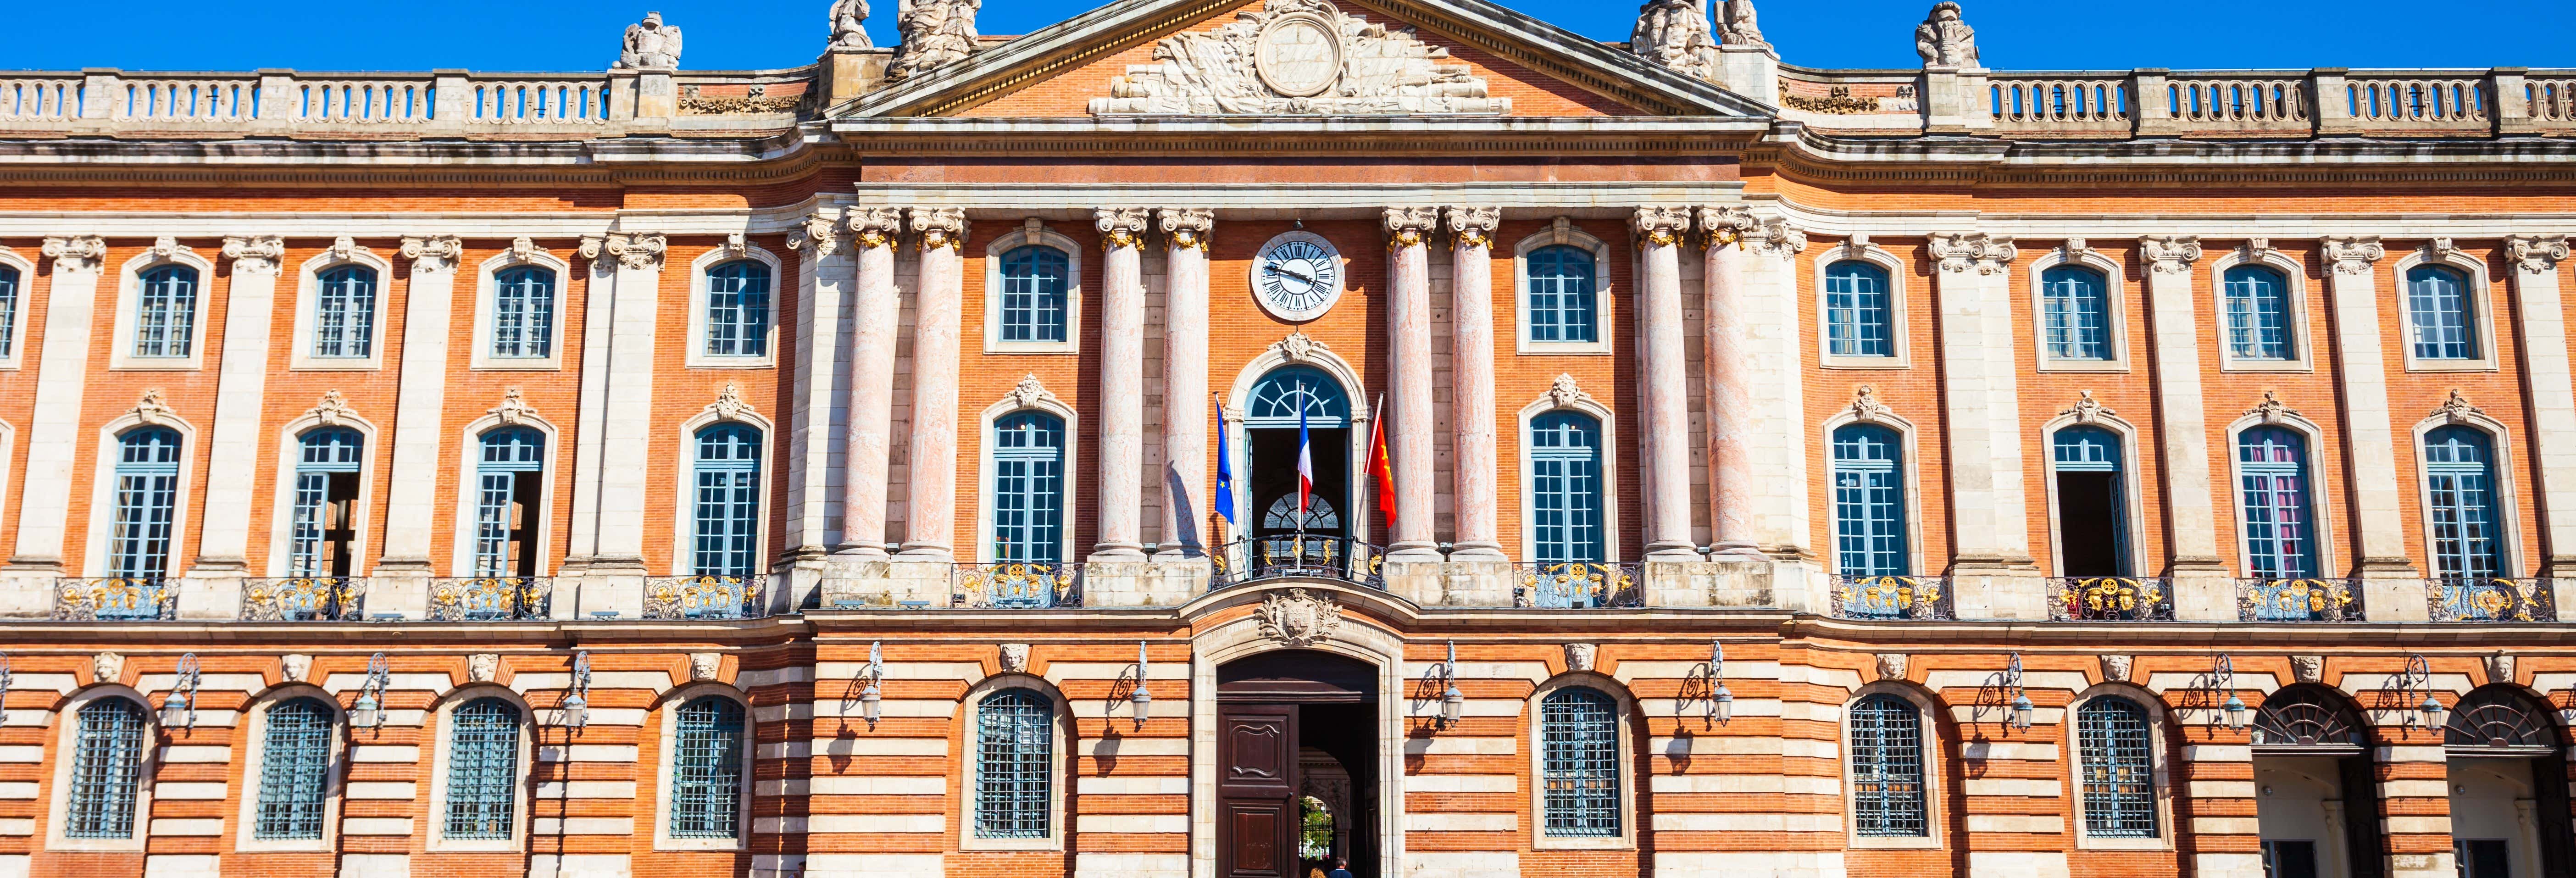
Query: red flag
x,y
1379,466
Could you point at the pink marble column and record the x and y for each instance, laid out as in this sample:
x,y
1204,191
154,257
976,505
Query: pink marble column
x,y
1122,382
875,309
1471,375
931,533
1659,231
1727,343
1186,412
1408,317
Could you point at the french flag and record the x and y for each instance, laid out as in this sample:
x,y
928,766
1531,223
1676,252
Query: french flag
x,y
1305,468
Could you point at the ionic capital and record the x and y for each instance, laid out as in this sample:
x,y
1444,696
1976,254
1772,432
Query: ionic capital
x,y
1659,226
1723,225
939,228
1472,227
876,226
1776,238
1187,228
1121,226
77,253
816,235
2169,254
1959,251
638,251
1410,226
2536,254
257,254
2353,255
432,254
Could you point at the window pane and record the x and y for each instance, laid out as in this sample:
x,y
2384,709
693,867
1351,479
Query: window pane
x,y
1028,488
1869,498
2272,464
2258,314
1034,280
483,769
2460,481
1887,767
523,313
8,311
147,499
1565,487
107,767
706,779
2119,770
2437,306
344,313
1856,310
1579,741
1014,750
728,495
2075,315
509,455
1561,297
294,770
738,309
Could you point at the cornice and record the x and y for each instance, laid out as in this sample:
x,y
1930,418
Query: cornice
x,y
1803,153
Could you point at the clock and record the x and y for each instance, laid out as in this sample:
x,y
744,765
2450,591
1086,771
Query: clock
x,y
1297,276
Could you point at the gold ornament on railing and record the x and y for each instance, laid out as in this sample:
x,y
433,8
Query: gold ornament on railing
x,y
1900,593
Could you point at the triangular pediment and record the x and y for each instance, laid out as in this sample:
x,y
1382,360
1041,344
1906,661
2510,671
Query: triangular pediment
x,y
1447,58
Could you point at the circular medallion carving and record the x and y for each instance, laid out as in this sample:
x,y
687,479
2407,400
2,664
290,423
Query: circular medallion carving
x,y
1298,55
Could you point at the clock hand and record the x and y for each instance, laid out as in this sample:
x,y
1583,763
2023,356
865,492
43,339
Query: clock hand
x,y
1291,272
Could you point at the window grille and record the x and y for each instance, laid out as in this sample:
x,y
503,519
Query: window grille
x,y
165,315
1887,767
2119,769
294,770
2076,315
728,470
2272,464
738,309
107,770
509,455
1869,502
1565,479
1028,487
483,770
8,311
344,315
2437,304
1034,281
523,313
324,452
147,499
2258,314
2460,481
1856,310
1014,755
1561,294
706,778
1579,737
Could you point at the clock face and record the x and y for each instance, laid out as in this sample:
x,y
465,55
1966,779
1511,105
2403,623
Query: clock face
x,y
1297,276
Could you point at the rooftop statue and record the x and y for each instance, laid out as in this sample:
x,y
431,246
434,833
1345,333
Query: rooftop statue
x,y
1945,41
1676,34
1735,26
935,32
849,23
651,44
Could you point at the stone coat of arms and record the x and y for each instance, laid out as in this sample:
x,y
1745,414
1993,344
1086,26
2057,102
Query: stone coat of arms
x,y
1299,619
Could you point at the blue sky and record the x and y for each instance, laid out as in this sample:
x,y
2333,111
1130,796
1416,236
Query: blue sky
x,y
557,35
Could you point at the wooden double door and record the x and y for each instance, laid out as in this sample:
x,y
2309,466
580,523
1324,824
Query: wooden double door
x,y
1257,814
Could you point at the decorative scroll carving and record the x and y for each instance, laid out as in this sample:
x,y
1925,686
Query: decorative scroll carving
x,y
1299,619
1660,226
754,99
1297,57
2537,254
514,409
650,45
1943,40
1472,226
2353,255
152,410
1838,101
2442,249
166,248
1564,393
76,253
433,254
1776,238
2088,410
815,235
1723,225
939,227
2074,249
257,254
876,226
2456,409
591,246
1187,226
1676,34
332,410
346,249
2256,250
729,405
638,251
1030,393
735,246
1865,405
1960,251
1410,226
1298,347
2170,254
850,24
2271,409
934,33
1121,226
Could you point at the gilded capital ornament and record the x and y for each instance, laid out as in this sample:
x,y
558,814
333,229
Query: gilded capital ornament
x,y
1410,226
1472,226
939,227
2170,254
2353,255
814,235
1659,226
1724,225
876,226
1187,227
77,253
257,254
1121,226
2536,254
433,254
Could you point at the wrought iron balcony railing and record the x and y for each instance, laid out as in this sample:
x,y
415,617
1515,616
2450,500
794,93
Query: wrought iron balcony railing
x,y
1299,555
2298,600
304,599
2110,599
1578,585
116,598
490,598
705,597
1018,585
2490,600
1892,597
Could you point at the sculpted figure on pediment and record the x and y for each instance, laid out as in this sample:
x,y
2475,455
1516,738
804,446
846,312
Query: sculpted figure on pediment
x,y
650,44
1676,34
1298,57
850,23
1943,40
935,32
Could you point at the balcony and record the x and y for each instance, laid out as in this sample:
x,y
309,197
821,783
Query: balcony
x,y
116,599
705,597
304,599
1892,597
1018,585
490,598
2490,600
2298,600
1299,556
2110,599
1578,585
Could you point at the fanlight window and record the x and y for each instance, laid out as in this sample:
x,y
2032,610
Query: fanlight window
x,y
1320,516
2495,717
2307,716
1280,395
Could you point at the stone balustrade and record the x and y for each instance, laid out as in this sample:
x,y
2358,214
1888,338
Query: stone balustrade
x,y
436,104
2320,102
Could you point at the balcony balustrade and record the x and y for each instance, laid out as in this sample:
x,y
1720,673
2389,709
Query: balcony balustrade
x,y
2110,599
1578,585
1892,597
116,599
705,597
490,598
2490,600
2298,600
1018,585
304,599
1299,556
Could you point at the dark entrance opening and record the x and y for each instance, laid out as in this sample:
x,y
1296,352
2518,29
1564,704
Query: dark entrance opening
x,y
2092,516
1297,756
1274,482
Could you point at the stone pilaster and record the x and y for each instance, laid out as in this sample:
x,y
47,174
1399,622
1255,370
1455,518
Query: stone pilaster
x,y
599,288
2370,441
932,513
1783,434
815,419
2532,262
2217,775
1659,232
876,309
1473,458
53,429
1122,382
1408,317
223,545
1727,345
411,494
1185,379
2415,804
1981,417
626,421
2179,324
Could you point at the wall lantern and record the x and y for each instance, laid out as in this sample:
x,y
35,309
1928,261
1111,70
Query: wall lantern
x,y
576,705
870,699
1452,702
2222,674
2418,677
1143,700
180,709
369,712
1721,703
2021,706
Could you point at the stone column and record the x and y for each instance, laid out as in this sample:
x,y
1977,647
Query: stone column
x,y
626,425
1472,457
1185,378
1122,382
932,531
2370,441
1727,344
2201,588
2533,263
876,310
815,421
53,429
411,495
1666,378
1980,414
243,378
1408,317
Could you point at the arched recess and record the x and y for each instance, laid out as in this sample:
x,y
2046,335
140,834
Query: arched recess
x,y
2507,761
1031,395
667,717
2318,796
1059,768
1627,726
1299,350
2083,761
487,286
67,721
2131,503
129,297
440,736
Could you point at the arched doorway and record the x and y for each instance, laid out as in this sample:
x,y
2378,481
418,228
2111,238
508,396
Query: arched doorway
x,y
2317,802
1297,735
1280,400
2508,778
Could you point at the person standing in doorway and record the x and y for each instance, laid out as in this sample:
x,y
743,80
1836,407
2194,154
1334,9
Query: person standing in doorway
x,y
1341,868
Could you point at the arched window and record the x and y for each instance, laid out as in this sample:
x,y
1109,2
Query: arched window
x,y
294,770
1028,487
1034,281
2075,313
1856,310
2497,718
738,309
2092,504
2308,715
147,502
344,314
1561,294
1320,515
8,312
1869,502
1579,762
107,770
2459,481
1280,395
1565,486
2118,764
165,316
523,313
2280,541
2258,314
508,508
321,529
483,770
706,770
1887,767
1014,759
728,515
2437,310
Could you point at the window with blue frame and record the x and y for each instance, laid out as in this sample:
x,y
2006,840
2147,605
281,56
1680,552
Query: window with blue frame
x,y
510,481
1035,279
2075,313
165,313
1887,767
344,313
2258,314
2438,312
2272,468
738,309
8,312
2092,502
1561,294
147,502
2459,475
1579,762
1028,487
706,769
1014,759
107,770
320,530
2117,759
294,770
1565,487
523,313
483,770
1869,502
728,514
1857,310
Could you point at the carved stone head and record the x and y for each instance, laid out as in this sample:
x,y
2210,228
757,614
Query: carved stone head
x,y
2115,668
2308,668
1891,665
294,667
703,665
1015,658
483,667
106,667
1579,656
2499,668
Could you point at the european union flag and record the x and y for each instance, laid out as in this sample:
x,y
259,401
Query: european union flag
x,y
1224,467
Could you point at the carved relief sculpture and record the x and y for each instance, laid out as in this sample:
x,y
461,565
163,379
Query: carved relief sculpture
x,y
1891,665
1676,34
2115,668
2308,668
1945,41
703,665
293,667
483,667
1015,658
849,24
650,45
1299,619
106,667
1578,656
935,32
1298,57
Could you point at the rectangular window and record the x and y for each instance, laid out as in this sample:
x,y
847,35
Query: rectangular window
x,y
165,314
1034,287
2258,314
706,781
2076,315
1579,763
1869,511
8,312
294,769
728,501
344,314
147,500
2271,463
1014,759
483,770
738,310
1887,768
2437,304
2118,769
1561,299
1856,310
1028,499
523,314
1565,484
